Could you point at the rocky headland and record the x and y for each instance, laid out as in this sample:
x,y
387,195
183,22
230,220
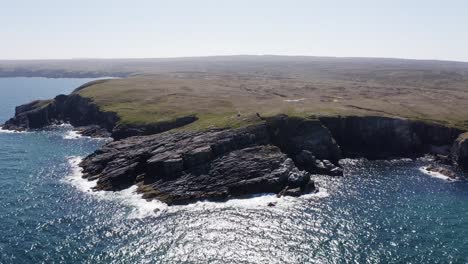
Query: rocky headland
x,y
275,154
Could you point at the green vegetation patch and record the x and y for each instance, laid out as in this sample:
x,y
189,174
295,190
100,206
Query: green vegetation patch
x,y
234,100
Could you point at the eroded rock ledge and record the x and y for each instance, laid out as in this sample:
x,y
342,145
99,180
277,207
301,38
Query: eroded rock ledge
x,y
182,167
277,156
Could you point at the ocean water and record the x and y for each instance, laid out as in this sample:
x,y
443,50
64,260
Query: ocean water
x,y
379,212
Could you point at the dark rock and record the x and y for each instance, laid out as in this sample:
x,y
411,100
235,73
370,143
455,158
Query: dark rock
x,y
298,179
443,159
296,192
198,156
443,150
183,167
459,151
93,131
293,135
337,171
118,178
375,137
76,110
305,160
164,165
309,188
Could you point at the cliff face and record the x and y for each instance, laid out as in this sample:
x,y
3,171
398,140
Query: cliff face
x,y
76,110
383,137
277,156
460,151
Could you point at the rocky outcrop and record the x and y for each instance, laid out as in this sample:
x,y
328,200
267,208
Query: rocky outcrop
x,y
307,142
74,109
93,131
32,115
183,167
459,151
82,112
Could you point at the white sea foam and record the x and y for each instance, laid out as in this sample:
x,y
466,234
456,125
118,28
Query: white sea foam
x,y
75,176
72,135
62,125
143,208
435,174
294,100
259,201
351,162
6,131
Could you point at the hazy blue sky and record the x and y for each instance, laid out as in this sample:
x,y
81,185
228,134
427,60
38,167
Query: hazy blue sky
x,y
426,29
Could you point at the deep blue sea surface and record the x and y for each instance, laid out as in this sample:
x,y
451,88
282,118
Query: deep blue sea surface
x,y
380,212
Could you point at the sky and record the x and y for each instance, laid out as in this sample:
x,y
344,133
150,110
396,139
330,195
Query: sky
x,y
50,29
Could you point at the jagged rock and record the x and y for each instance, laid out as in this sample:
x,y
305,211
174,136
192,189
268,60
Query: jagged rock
x,y
298,179
30,116
305,160
252,170
93,131
165,165
120,178
295,192
459,151
183,167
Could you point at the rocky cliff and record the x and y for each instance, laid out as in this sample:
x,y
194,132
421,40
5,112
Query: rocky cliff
x,y
277,156
460,151
376,137
74,109
82,113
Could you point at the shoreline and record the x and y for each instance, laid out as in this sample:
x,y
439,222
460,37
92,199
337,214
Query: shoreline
x,y
143,208
296,146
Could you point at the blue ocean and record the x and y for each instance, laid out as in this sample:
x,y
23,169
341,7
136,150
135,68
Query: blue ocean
x,y
379,212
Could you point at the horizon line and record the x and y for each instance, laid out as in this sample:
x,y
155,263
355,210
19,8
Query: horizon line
x,y
232,55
